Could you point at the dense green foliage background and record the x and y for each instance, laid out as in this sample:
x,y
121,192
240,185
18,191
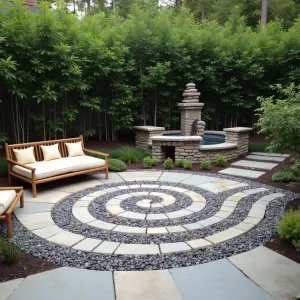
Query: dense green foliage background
x,y
61,75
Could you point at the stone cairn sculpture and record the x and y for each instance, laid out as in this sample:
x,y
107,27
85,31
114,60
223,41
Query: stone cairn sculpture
x,y
191,123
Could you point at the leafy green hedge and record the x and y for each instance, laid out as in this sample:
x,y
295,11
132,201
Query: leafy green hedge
x,y
65,75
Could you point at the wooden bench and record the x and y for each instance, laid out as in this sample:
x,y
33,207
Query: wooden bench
x,y
6,216
36,173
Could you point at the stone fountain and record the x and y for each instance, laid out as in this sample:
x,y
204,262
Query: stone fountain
x,y
187,143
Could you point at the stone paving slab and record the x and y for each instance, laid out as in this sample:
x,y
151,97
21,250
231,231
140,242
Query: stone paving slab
x,y
242,172
254,164
68,284
199,179
137,249
66,238
45,196
113,177
146,285
270,154
174,247
276,274
32,207
107,247
174,177
47,232
7,288
262,157
87,244
36,220
216,280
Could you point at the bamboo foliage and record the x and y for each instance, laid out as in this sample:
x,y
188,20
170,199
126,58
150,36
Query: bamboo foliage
x,y
62,76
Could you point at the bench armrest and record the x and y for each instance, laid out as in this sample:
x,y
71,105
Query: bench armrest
x,y
96,152
12,162
11,188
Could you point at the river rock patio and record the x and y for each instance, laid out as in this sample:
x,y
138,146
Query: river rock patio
x,y
147,220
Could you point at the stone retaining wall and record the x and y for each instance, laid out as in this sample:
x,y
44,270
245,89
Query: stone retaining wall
x,y
188,147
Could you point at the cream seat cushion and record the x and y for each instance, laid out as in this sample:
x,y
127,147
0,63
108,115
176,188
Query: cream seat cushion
x,y
85,162
6,199
24,156
50,152
74,149
46,169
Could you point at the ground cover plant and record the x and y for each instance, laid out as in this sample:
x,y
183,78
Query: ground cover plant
x,y
116,165
284,175
149,162
9,251
289,227
221,160
100,74
205,164
168,163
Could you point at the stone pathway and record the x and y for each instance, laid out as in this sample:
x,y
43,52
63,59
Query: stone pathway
x,y
259,274
256,161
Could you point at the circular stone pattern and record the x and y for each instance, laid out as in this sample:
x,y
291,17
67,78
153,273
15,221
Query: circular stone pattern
x,y
155,225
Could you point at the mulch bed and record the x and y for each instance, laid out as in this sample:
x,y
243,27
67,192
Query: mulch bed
x,y
27,265
24,266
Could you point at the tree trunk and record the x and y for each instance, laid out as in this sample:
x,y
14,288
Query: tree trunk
x,y
264,12
202,12
88,5
178,3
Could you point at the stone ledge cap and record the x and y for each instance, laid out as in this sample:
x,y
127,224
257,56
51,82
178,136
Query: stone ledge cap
x,y
238,129
221,146
165,138
187,104
149,128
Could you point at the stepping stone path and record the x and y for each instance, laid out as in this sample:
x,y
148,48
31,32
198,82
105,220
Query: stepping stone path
x,y
162,219
255,161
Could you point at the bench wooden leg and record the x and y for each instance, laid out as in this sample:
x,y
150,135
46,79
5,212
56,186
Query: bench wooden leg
x,y
22,201
34,190
8,225
9,179
106,173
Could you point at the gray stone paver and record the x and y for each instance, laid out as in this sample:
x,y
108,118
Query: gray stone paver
x,y
107,247
254,164
257,211
174,177
87,244
32,207
113,178
270,154
225,235
276,274
242,172
36,220
68,284
198,243
146,285
7,288
267,158
66,238
174,247
199,179
216,280
46,232
137,249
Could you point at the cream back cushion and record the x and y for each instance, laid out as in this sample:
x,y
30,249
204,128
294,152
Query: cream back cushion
x,y
24,156
50,152
74,149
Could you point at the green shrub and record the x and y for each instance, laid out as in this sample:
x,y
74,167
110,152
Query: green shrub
x,y
283,175
187,164
221,160
150,162
180,162
289,227
296,167
292,160
258,147
9,251
116,165
168,163
3,167
205,164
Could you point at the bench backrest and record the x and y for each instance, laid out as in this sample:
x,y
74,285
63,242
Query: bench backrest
x,y
38,150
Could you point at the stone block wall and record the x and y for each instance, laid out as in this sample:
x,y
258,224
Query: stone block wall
x,y
144,134
239,136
